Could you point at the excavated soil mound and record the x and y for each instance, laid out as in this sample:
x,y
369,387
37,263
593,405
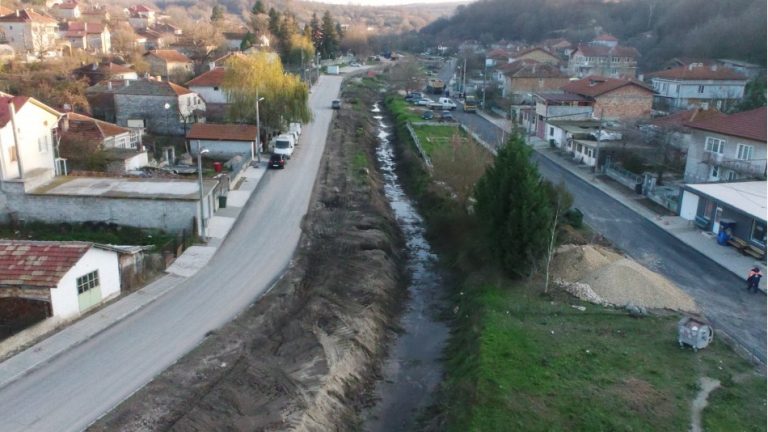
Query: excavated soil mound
x,y
598,275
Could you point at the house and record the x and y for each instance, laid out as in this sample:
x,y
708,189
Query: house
x,y
96,72
169,63
554,106
27,140
29,32
64,279
525,78
83,136
537,54
738,206
223,140
152,40
697,85
88,36
605,57
750,70
727,147
209,86
234,40
95,14
613,98
68,10
159,107
141,16
559,46
579,138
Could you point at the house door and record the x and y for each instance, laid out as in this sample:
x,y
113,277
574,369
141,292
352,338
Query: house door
x,y
88,291
716,220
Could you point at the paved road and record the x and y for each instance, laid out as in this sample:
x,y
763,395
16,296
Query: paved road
x,y
721,294
77,387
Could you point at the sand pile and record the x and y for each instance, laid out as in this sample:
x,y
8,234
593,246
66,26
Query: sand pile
x,y
598,275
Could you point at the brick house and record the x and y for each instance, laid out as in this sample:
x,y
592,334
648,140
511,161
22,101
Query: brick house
x,y
29,32
727,147
88,36
522,79
605,57
612,98
141,16
169,63
697,85
70,9
537,54
160,107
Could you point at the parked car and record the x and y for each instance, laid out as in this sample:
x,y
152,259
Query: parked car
x,y
336,104
295,126
424,102
428,115
355,64
446,116
283,144
277,160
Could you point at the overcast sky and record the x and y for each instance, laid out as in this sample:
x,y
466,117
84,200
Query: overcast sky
x,y
379,2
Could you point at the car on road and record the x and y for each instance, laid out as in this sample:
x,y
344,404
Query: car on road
x,y
446,116
428,115
284,144
336,104
277,160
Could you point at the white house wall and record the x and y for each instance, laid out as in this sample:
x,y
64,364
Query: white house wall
x,y
225,149
36,146
689,206
64,298
210,94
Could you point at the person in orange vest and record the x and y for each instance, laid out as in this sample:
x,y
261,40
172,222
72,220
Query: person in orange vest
x,y
753,280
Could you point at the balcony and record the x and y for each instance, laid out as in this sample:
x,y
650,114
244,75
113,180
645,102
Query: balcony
x,y
748,168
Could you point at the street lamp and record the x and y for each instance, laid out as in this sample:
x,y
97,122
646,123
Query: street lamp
x,y
200,153
258,128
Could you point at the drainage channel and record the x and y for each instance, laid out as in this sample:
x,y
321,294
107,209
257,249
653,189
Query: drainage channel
x,y
412,371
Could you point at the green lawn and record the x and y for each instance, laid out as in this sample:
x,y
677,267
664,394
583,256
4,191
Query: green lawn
x,y
525,361
433,137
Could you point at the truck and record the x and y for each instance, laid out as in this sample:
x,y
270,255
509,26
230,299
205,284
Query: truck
x,y
435,85
332,70
470,104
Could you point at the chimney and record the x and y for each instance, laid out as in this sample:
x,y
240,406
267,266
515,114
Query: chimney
x,y
127,83
211,65
17,13
713,68
109,85
690,66
94,66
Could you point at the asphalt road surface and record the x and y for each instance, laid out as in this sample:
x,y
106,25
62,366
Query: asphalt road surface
x,y
82,384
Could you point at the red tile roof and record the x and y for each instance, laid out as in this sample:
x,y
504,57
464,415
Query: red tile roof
x,y
5,113
594,86
533,70
681,118
747,124
66,5
29,264
105,129
222,132
170,56
27,15
5,11
696,73
530,50
213,77
606,37
88,27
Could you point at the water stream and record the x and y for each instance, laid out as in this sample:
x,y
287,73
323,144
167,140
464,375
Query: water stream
x,y
412,370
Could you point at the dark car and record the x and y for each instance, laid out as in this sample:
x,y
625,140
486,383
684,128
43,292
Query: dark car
x,y
336,104
277,160
447,117
428,115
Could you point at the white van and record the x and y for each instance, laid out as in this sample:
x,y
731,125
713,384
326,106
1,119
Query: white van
x,y
447,103
295,127
283,144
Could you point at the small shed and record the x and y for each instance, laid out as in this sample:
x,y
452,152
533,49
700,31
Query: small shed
x,y
61,279
223,141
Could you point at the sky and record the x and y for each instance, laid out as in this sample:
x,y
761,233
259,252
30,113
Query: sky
x,y
379,2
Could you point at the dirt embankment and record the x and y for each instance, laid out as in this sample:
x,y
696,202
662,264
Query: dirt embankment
x,y
302,356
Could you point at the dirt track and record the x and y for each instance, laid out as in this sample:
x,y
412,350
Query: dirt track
x,y
302,356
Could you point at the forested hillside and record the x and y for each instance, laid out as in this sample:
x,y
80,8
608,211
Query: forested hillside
x,y
660,29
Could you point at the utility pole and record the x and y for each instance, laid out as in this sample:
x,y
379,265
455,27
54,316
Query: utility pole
x,y
464,79
485,70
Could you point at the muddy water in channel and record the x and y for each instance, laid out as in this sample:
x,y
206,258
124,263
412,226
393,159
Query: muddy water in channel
x,y
412,371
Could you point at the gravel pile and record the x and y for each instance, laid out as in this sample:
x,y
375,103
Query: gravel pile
x,y
597,275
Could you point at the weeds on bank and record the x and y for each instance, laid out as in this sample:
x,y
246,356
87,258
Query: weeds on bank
x,y
96,233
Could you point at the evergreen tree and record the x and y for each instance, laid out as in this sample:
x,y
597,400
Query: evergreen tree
x,y
514,207
754,95
217,13
330,42
274,21
258,8
316,34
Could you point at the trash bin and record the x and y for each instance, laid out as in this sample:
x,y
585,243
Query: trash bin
x,y
694,333
222,201
217,167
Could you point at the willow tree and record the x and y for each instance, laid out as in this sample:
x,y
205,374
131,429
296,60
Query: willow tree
x,y
261,75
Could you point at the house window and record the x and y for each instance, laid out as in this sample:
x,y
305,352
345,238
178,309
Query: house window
x,y
701,89
715,172
744,152
88,282
758,232
551,131
709,207
42,144
714,145
215,89
730,175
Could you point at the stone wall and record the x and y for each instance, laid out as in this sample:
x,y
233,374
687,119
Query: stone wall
x,y
157,119
628,102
